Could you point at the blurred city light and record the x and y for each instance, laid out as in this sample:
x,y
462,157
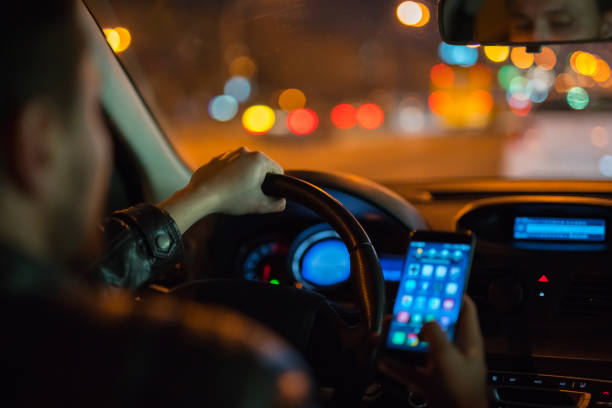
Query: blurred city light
x,y
458,54
302,121
344,116
411,119
119,38
238,87
440,102
243,66
522,111
586,64
442,76
506,74
546,59
577,98
572,60
537,90
605,165
564,82
497,53
413,14
599,136
480,102
258,119
291,99
370,116
521,58
125,38
602,73
113,38
223,108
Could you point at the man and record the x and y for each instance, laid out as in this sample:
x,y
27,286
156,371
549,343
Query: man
x,y
64,343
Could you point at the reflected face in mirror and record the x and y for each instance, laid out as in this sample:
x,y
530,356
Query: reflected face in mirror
x,y
558,20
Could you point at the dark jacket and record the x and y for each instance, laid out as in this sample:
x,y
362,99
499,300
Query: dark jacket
x,y
64,343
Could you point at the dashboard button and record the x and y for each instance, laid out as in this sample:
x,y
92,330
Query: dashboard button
x,y
512,380
494,378
564,384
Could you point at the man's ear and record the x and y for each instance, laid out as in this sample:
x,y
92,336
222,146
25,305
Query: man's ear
x,y
606,26
33,147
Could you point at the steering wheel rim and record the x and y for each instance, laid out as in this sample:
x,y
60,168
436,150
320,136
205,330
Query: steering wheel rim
x,y
366,276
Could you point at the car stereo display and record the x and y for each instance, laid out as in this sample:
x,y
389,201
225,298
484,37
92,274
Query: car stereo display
x,y
559,229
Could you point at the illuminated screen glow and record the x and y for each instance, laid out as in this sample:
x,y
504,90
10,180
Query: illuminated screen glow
x,y
559,229
327,263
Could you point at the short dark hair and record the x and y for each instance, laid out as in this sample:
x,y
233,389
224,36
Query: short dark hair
x,y
42,45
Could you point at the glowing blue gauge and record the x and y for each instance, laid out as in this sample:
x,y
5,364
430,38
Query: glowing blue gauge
x,y
326,263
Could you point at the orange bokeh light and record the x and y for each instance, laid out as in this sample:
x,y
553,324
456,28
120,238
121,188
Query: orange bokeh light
x,y
440,102
370,116
344,116
480,76
521,58
442,76
547,59
480,102
302,121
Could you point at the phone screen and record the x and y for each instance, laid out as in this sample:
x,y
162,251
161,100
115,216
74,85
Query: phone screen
x,y
431,288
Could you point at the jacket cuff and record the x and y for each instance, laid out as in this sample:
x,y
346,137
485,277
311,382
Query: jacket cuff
x,y
158,229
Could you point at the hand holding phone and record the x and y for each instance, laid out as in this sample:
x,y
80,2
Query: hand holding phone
x,y
436,272
455,374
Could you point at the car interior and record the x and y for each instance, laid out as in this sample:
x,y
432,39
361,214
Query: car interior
x,y
325,272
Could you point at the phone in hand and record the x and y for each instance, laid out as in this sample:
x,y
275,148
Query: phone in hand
x,y
435,275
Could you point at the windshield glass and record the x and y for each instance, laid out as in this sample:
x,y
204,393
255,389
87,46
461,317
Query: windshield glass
x,y
362,87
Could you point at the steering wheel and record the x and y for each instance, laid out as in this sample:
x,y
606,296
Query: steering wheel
x,y
305,318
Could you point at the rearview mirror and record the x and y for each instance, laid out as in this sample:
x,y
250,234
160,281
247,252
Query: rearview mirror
x,y
525,22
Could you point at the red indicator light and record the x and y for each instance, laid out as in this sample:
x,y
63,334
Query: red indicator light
x,y
266,273
543,279
606,393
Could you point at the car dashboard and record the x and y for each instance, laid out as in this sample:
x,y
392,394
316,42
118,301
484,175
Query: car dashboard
x,y
541,275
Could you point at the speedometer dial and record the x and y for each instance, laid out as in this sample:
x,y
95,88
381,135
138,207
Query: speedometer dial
x,y
265,262
319,259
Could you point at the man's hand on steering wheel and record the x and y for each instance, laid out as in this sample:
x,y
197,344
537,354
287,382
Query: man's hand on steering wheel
x,y
230,183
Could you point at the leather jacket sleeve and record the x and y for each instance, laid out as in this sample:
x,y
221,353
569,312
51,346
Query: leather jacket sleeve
x,y
142,243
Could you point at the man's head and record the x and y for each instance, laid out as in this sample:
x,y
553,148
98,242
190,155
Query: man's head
x,y
54,159
559,20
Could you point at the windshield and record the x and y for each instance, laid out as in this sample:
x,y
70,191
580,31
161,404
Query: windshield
x,y
361,87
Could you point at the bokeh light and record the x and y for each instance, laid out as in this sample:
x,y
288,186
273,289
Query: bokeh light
x,y
586,64
344,116
413,14
546,59
223,108
480,102
291,99
521,58
113,38
280,125
458,54
602,73
302,121
370,116
125,38
411,119
119,38
599,136
440,102
243,66
238,87
442,76
258,119
497,53
605,165
506,74
577,98
572,60
537,90
564,82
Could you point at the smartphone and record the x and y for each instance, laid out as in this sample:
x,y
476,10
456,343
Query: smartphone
x,y
434,277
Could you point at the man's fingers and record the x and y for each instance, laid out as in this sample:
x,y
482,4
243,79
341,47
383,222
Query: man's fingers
x,y
402,373
432,333
468,336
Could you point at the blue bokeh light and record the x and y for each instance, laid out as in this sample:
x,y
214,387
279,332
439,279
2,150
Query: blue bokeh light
x,y
238,87
326,263
458,54
223,108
